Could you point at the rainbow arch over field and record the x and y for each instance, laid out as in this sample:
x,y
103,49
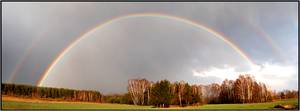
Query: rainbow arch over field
x,y
136,15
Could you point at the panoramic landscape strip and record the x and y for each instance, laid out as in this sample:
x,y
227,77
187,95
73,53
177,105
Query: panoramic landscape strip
x,y
242,93
151,56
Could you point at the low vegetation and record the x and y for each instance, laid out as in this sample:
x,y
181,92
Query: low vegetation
x,y
266,105
42,104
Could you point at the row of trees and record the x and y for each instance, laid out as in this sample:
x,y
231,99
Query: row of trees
x,y
50,93
163,93
244,90
286,94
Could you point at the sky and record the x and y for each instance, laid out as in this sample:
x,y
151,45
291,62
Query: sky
x,y
151,47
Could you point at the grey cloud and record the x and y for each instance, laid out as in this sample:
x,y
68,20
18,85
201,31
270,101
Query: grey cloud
x,y
50,27
153,48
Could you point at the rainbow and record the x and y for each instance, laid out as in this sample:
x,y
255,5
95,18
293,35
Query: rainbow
x,y
159,15
267,37
259,30
23,59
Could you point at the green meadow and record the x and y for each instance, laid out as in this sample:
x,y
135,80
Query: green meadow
x,y
75,105
267,105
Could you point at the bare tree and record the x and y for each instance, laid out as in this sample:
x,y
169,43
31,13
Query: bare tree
x,y
134,90
137,88
181,86
144,86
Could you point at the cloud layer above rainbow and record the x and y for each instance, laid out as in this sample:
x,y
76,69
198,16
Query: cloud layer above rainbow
x,y
198,43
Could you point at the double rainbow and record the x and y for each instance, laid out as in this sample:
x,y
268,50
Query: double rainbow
x,y
157,15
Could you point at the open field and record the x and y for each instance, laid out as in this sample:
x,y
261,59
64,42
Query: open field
x,y
21,103
268,105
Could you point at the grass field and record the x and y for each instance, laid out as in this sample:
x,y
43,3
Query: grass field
x,y
19,104
268,105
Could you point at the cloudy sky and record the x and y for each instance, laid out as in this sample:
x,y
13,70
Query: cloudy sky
x,y
151,47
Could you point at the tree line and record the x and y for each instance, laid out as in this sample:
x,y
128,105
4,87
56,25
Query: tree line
x,y
245,89
50,93
285,94
163,93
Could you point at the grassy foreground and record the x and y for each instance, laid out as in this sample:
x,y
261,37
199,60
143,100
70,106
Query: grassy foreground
x,y
30,105
268,105
12,104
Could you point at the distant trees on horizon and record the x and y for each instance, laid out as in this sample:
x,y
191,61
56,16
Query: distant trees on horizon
x,y
50,93
162,93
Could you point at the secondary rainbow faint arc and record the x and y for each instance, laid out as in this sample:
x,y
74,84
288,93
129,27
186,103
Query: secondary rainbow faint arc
x,y
159,15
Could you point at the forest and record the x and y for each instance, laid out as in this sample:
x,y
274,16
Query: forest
x,y
244,89
163,93
50,93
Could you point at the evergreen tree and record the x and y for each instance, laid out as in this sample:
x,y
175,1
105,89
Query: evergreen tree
x,y
161,94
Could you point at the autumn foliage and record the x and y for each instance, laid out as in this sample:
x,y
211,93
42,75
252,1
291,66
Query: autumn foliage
x,y
245,89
